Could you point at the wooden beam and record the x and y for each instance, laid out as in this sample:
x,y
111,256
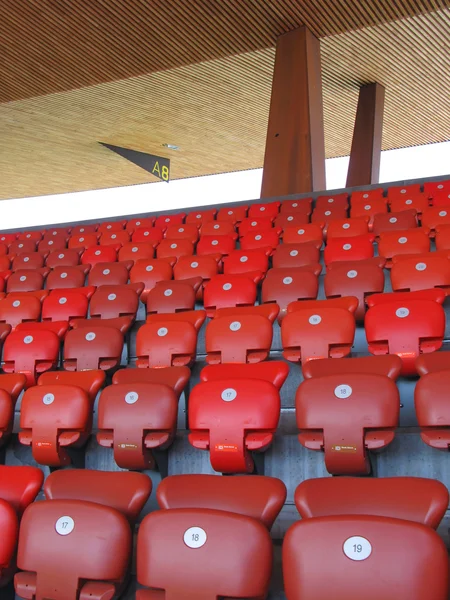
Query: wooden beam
x,y
294,160
364,166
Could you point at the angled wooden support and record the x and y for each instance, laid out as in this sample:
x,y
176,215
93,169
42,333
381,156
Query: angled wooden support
x,y
365,156
294,160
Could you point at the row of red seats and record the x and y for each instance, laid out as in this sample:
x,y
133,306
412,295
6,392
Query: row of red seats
x,y
211,537
233,412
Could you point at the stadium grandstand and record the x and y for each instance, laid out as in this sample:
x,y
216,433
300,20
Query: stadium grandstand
x,y
245,400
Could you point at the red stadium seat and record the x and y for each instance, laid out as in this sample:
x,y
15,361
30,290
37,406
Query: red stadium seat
x,y
19,486
393,243
269,209
10,388
187,231
354,550
388,365
180,554
111,226
368,208
94,347
255,496
164,221
83,241
140,222
216,228
99,254
333,201
135,419
115,305
19,308
169,339
430,363
442,199
240,335
178,248
294,219
406,324
52,243
84,228
31,352
410,498
9,523
189,267
109,273
173,296
3,249
443,237
261,240
234,214
136,251
421,272
114,238
432,410
231,418
273,371
215,244
22,247
406,219
296,255
64,258
347,228
363,196
72,567
289,284
175,377
71,304
326,215
356,278
318,329
432,218
403,191
311,232
67,277
349,249
58,327
303,205
26,280
149,235
87,291
200,217
345,415
89,381
53,418
36,236
228,291
431,188
240,262
31,260
150,272
418,201
256,225
8,238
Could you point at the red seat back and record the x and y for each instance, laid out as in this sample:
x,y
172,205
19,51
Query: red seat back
x,y
234,214
19,486
302,234
433,217
99,254
239,262
134,224
265,239
417,201
83,240
149,272
432,410
332,201
349,249
114,238
287,285
187,231
93,347
173,296
169,248
226,291
296,255
31,353
215,244
348,228
109,273
164,221
150,235
9,524
28,260
26,280
200,217
114,301
67,277
269,209
406,219
65,307
421,272
388,365
218,228
394,243
111,226
136,251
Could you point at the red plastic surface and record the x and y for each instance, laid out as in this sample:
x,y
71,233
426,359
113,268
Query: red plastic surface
x,y
393,243
151,235
436,361
433,218
225,291
421,272
164,221
218,228
432,409
335,201
418,201
187,231
273,371
289,284
65,307
296,255
347,228
134,251
169,248
349,249
95,347
109,273
234,214
303,205
216,244
265,239
239,262
114,238
99,254
84,228
134,224
175,377
173,296
406,219
255,225
149,272
89,381
52,243
15,309
269,209
111,226
368,208
388,365
328,214
22,247
83,240
287,219
26,280
431,188
19,486
443,237
200,217
67,277
311,232
28,260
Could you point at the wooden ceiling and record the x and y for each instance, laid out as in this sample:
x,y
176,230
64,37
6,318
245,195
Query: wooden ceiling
x,y
197,74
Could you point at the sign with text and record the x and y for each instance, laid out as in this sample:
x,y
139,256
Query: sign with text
x,y
159,166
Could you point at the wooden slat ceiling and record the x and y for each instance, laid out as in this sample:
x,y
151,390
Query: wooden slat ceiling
x,y
216,110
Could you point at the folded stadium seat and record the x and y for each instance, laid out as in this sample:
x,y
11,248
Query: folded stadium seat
x,y
89,381
136,251
311,232
265,239
50,244
34,328
72,566
205,267
442,199
432,411
235,214
3,249
354,551
319,329
346,228
431,188
8,238
169,340
420,272
384,222
109,273
240,262
95,347
151,235
67,277
182,232
200,217
26,280
114,238
417,201
126,492
231,418
403,191
58,231
388,365
22,247
19,486
365,419
274,371
406,324
99,254
352,249
255,225
215,244
175,377
65,258
364,196
36,236
84,228
269,209
288,284
83,241
29,260
410,498
296,255
240,335
149,272
434,217
140,222
259,497
11,387
326,215
15,309
180,555
163,221
173,296
368,209
169,248
393,243
228,291
111,226
442,239
430,363
358,278
9,523
287,219
333,201
52,418
31,352
216,228
136,418
302,205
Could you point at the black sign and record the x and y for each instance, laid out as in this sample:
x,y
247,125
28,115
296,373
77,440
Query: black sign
x,y
156,165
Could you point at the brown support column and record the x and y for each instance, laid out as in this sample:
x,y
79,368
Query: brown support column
x,y
364,166
294,160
